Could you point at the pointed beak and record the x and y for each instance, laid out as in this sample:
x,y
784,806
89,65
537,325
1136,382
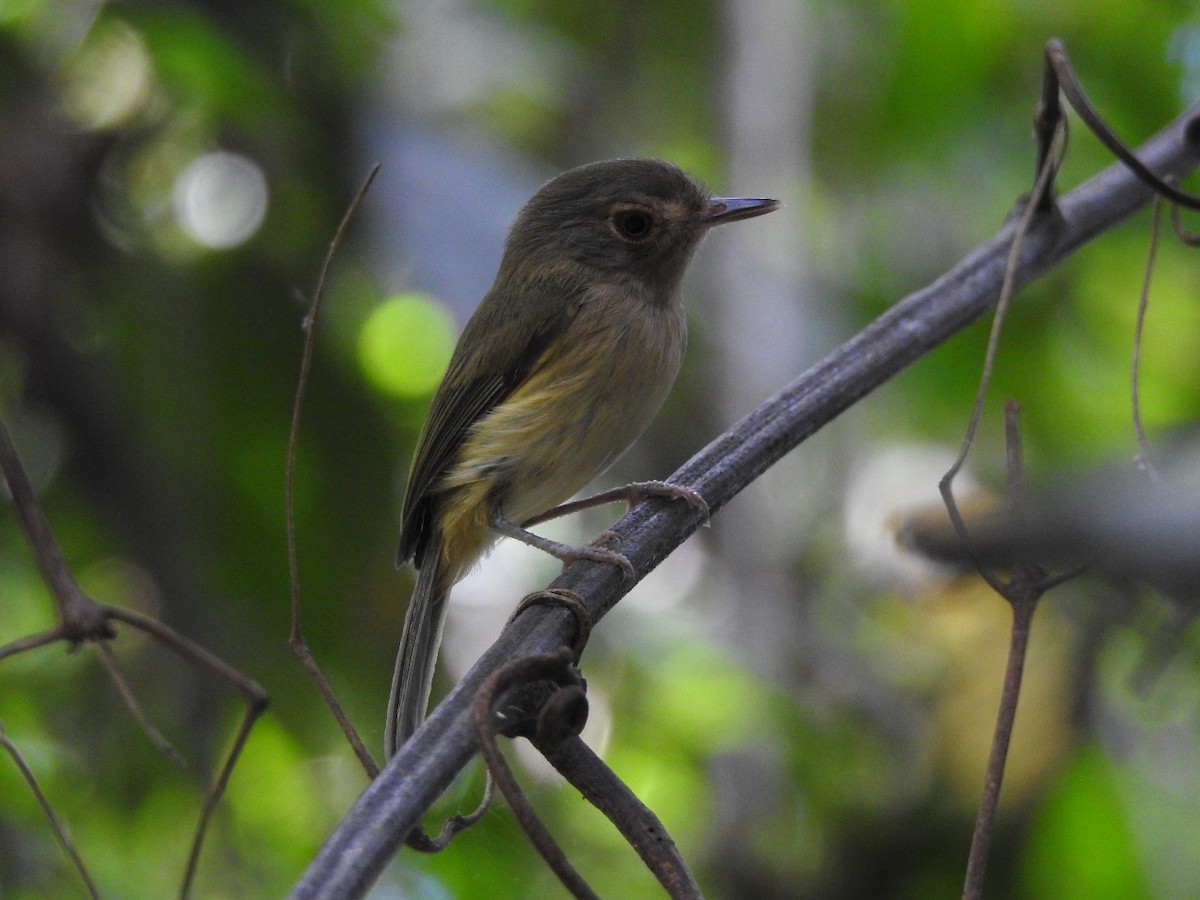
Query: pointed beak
x,y
732,209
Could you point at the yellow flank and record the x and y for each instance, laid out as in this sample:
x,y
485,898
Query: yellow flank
x,y
566,423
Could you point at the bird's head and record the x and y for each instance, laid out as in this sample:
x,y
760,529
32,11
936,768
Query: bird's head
x,y
622,219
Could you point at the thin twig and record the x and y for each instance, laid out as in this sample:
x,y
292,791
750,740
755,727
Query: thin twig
x,y
31,641
83,619
1022,592
1049,129
1007,289
256,704
421,842
78,616
60,833
1188,238
1056,54
296,639
985,817
216,790
555,667
1050,164
1144,457
417,838
117,675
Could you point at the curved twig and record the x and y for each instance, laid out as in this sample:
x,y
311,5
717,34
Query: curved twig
x,y
60,833
1056,56
568,600
1045,177
1144,458
557,668
1188,238
296,638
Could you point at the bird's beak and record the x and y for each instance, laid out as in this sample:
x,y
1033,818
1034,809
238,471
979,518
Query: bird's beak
x,y
731,209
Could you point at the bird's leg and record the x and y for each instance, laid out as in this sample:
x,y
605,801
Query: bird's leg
x,y
633,494
564,552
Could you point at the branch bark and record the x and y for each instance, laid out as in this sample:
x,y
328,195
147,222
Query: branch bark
x,y
363,844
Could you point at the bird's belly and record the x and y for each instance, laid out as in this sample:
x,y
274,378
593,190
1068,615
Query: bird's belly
x,y
558,461
570,420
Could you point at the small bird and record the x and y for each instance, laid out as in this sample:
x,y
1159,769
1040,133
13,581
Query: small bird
x,y
557,372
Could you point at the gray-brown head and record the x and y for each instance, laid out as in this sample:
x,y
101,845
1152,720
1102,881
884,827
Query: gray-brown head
x,y
639,218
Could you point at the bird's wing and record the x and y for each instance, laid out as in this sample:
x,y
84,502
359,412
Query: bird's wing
x,y
482,373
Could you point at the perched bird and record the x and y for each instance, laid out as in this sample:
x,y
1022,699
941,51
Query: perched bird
x,y
558,371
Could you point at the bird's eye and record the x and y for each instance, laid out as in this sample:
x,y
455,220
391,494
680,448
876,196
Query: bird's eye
x,y
633,224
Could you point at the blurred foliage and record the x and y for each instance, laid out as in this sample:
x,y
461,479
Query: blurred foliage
x,y
148,378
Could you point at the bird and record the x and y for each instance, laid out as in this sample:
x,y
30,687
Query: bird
x,y
560,368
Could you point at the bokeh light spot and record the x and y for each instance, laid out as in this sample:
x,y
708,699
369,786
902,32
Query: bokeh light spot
x,y
220,199
110,79
405,344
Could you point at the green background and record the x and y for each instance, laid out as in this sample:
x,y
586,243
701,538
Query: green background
x,y
808,718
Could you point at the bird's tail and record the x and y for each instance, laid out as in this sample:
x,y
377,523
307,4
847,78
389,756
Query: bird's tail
x,y
417,657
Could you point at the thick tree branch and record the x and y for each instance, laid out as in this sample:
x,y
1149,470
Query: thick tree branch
x,y
364,843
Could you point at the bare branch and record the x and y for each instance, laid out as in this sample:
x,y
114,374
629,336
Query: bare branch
x,y
580,765
296,638
117,674
60,833
82,619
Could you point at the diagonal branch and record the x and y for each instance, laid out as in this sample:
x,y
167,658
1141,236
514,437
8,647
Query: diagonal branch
x,y
601,787
355,854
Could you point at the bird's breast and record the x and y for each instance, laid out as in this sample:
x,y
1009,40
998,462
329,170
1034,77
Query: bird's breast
x,y
592,393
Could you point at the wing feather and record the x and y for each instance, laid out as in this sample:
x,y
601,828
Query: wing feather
x,y
500,346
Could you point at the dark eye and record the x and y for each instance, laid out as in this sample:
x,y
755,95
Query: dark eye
x,y
633,224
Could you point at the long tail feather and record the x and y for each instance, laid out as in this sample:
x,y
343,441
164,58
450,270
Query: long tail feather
x,y
417,657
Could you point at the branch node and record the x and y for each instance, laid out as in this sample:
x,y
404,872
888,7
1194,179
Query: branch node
x,y
568,600
563,715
